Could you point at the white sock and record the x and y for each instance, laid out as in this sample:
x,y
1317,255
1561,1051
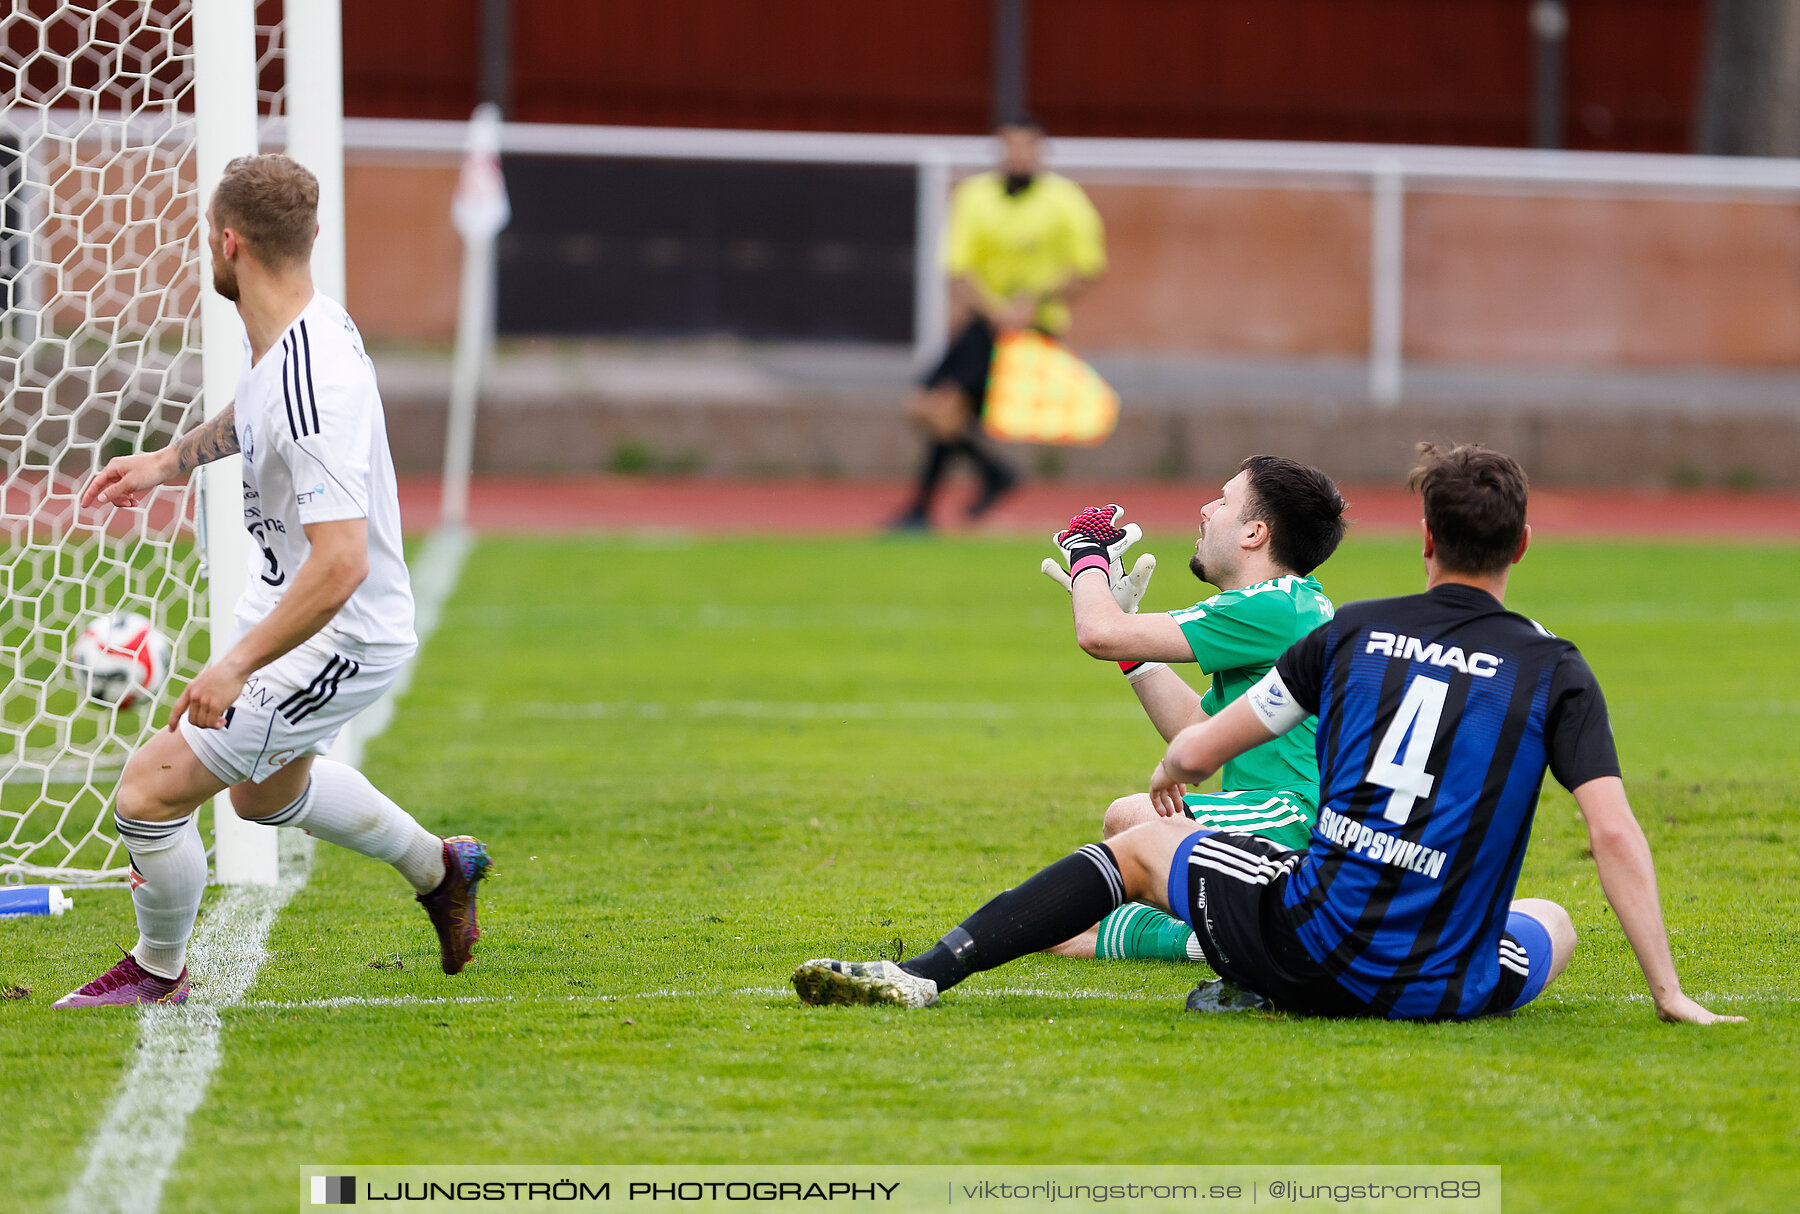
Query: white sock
x,y
340,806
170,862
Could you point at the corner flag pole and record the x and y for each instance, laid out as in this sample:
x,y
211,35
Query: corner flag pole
x,y
480,211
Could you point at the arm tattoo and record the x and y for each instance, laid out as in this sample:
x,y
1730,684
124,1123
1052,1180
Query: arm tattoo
x,y
208,441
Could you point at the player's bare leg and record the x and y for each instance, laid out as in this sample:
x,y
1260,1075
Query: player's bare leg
x,y
1146,853
1083,947
1556,921
162,787
164,780
1127,812
1140,935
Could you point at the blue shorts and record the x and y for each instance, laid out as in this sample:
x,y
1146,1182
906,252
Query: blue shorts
x,y
1525,956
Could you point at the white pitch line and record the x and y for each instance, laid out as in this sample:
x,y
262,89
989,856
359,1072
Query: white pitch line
x,y
136,1146
141,1137
764,992
965,993
808,710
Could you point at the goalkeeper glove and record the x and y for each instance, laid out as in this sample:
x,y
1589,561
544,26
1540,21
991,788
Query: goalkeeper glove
x,y
1094,540
1128,591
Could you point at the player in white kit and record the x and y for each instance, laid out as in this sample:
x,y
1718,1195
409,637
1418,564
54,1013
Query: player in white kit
x,y
324,625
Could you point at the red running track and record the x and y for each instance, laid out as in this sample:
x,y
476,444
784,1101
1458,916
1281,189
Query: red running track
x,y
29,507
523,504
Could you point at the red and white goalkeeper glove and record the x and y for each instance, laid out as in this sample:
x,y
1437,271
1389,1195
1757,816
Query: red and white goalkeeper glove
x,y
1095,540
1128,591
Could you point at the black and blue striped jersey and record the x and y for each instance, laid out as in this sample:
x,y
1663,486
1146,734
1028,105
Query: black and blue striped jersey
x,y
1438,715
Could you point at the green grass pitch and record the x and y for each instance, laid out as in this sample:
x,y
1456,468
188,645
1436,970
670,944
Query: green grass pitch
x,y
699,763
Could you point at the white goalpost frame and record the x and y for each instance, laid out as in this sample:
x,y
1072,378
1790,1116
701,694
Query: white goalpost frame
x,y
226,127
314,126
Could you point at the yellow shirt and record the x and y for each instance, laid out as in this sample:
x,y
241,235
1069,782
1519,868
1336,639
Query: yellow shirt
x,y
1031,241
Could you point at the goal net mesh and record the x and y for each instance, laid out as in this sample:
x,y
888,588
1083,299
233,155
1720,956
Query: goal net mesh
x,y
101,274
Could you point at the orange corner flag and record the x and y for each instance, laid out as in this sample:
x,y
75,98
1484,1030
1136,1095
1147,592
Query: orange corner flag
x,y
1039,392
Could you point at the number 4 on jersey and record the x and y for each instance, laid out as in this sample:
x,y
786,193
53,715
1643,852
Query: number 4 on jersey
x,y
1416,723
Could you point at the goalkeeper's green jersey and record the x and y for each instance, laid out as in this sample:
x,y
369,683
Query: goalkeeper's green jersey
x,y
1236,635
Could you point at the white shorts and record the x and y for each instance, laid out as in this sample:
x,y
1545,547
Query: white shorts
x,y
295,706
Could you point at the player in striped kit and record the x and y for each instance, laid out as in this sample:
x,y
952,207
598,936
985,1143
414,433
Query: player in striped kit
x,y
324,625
1438,715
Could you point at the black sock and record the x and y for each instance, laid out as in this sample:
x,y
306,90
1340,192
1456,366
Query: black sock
x,y
1063,900
937,454
993,470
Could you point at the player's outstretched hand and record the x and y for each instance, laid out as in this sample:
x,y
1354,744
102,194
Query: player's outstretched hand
x,y
1096,532
1128,591
126,479
1679,1009
1166,793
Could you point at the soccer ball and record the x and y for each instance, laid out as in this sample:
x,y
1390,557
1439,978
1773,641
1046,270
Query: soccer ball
x,y
120,659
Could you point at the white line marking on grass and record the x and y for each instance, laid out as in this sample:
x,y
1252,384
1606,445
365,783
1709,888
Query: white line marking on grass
x,y
137,1144
333,1002
805,710
848,617
1703,998
337,1001
957,710
1032,992
763,992
141,1137
775,992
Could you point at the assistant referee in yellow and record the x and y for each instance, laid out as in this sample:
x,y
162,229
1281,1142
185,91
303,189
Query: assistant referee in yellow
x,y
1022,244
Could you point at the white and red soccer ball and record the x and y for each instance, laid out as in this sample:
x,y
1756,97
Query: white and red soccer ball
x,y
121,659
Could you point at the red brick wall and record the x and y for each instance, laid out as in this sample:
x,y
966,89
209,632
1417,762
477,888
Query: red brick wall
x,y
1285,272
1406,71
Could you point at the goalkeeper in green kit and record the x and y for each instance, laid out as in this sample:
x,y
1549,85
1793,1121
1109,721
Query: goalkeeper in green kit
x,y
1271,526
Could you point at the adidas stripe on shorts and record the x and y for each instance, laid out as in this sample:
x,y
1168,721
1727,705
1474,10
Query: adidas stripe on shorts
x,y
294,706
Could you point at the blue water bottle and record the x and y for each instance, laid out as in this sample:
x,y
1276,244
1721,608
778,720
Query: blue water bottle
x,y
17,901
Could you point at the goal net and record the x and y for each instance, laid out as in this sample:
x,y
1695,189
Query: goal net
x,y
101,281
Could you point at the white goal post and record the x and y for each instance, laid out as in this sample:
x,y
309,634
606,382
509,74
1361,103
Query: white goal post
x,y
116,116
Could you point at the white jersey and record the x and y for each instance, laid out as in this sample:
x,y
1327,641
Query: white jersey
x,y
315,450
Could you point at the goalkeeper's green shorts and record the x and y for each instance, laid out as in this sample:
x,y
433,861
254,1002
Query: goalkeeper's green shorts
x,y
1277,815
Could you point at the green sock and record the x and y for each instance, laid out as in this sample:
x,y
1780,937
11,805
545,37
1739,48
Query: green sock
x,y
1136,930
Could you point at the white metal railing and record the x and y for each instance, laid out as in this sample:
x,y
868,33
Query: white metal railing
x,y
1388,172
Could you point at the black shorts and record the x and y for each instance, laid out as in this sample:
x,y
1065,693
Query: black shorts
x,y
1223,882
1230,889
967,362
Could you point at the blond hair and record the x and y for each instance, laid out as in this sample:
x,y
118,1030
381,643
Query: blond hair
x,y
272,202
